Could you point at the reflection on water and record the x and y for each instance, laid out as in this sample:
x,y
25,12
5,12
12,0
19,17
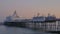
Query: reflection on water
x,y
15,30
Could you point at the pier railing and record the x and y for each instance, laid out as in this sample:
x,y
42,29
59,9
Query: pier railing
x,y
44,26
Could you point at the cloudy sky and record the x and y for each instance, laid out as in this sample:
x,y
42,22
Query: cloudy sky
x,y
29,8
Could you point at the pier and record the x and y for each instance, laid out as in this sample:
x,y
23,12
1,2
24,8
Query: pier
x,y
41,23
51,27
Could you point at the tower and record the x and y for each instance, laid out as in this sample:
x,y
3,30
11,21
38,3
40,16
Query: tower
x,y
15,14
48,14
38,14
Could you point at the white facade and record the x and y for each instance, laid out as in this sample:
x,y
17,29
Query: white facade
x,y
14,17
40,18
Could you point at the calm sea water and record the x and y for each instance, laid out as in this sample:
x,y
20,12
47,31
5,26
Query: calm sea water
x,y
17,30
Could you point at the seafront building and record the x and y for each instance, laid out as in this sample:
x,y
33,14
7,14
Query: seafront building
x,y
14,18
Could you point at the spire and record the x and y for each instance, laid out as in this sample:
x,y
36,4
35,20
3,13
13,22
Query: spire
x,y
15,14
48,14
38,14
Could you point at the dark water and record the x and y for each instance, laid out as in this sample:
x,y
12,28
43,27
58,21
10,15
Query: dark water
x,y
16,30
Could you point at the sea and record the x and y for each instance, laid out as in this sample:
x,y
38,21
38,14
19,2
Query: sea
x,y
18,30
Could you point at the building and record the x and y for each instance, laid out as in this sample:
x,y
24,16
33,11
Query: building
x,y
14,18
50,18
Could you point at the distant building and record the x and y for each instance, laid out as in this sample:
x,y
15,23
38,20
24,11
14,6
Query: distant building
x,y
50,17
40,18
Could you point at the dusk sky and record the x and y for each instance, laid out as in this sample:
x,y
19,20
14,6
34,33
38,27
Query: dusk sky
x,y
29,8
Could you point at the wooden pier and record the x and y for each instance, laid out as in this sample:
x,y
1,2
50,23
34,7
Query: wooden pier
x,y
45,26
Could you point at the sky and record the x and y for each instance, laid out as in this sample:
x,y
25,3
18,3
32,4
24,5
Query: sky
x,y
29,8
